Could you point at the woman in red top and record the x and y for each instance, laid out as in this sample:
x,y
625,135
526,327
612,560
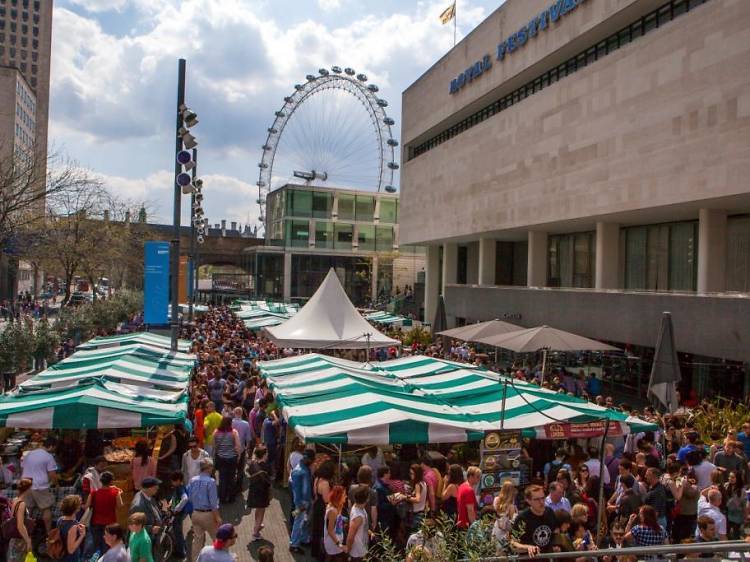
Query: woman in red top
x,y
103,503
198,422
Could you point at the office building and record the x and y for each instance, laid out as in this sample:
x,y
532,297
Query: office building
x,y
312,229
584,164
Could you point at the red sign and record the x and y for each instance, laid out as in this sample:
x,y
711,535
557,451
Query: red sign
x,y
580,430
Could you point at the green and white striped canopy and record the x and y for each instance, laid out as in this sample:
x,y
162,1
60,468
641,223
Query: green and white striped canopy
x,y
385,318
132,364
267,320
93,406
147,338
415,400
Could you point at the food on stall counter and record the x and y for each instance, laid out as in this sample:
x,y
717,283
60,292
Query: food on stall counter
x,y
125,442
119,455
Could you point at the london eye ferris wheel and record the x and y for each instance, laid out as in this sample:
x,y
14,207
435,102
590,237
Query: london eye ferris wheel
x,y
331,131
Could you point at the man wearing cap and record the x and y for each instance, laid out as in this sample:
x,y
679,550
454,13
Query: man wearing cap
x,y
302,497
204,496
145,502
226,536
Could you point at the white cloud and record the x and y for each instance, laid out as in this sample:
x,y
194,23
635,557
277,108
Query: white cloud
x,y
100,5
115,93
328,5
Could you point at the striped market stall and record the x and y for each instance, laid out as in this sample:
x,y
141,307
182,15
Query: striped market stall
x,y
147,338
423,400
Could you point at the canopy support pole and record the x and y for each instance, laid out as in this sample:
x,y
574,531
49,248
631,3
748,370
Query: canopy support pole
x,y
502,405
544,365
340,459
601,518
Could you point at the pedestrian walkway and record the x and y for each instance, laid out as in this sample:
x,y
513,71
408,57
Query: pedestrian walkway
x,y
275,533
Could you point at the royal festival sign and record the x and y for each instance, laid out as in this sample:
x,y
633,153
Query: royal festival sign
x,y
156,282
508,46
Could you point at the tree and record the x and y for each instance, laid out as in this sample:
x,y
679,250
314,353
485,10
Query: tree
x,y
26,182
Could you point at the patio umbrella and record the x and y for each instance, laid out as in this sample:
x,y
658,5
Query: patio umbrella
x,y
546,339
481,330
440,323
665,371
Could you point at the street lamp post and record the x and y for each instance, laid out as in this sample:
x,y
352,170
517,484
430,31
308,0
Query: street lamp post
x,y
175,255
193,269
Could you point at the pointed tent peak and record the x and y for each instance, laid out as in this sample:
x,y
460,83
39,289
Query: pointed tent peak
x,y
329,321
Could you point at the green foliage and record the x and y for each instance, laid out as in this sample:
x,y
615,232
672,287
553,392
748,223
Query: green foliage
x,y
46,340
719,415
16,346
417,334
85,321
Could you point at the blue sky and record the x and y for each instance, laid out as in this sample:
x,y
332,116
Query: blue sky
x,y
114,67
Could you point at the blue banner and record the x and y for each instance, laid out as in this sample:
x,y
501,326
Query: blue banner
x,y
156,283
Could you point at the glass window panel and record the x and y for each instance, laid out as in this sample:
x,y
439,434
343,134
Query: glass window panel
x,y
388,211
299,203
322,204
324,235
343,236
346,207
297,233
582,260
384,238
682,256
738,254
566,261
553,259
635,258
366,237
365,208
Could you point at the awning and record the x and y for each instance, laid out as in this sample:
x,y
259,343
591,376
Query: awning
x,y
93,406
384,318
148,338
417,400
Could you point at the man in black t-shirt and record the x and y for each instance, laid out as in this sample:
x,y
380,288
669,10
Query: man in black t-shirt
x,y
533,527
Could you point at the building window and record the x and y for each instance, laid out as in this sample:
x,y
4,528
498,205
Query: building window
x,y
462,265
388,210
384,238
346,207
322,204
324,235
661,257
36,5
343,236
34,68
33,81
24,28
299,203
571,260
365,208
511,259
366,237
297,233
35,43
738,254
34,56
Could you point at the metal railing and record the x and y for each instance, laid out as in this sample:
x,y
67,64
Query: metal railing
x,y
663,552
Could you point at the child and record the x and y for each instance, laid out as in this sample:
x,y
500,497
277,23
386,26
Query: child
x,y
139,544
265,554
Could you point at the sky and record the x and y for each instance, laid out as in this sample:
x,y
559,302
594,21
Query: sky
x,y
114,81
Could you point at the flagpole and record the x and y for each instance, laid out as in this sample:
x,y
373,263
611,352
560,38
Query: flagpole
x,y
455,21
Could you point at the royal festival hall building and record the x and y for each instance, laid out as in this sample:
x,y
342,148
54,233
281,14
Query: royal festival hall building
x,y
586,164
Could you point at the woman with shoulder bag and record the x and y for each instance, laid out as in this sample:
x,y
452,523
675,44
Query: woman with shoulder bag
x,y
72,533
15,529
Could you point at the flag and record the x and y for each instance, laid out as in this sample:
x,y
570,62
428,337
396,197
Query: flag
x,y
448,14
665,373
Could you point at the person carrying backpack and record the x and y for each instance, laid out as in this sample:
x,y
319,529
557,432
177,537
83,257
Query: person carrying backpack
x,y
552,468
70,532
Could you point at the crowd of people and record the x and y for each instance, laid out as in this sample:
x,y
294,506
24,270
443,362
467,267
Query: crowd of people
x,y
673,485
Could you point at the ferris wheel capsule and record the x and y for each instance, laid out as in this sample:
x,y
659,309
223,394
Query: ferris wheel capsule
x,y
336,69
272,130
382,103
280,114
299,87
288,99
362,77
393,165
323,72
311,77
389,121
373,88
349,71
390,189
392,142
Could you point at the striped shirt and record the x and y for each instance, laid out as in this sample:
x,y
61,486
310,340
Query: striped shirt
x,y
224,444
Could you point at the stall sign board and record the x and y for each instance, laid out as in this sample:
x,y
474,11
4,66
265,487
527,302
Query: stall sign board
x,y
500,459
580,430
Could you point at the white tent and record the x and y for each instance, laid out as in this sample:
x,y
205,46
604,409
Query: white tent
x,y
328,321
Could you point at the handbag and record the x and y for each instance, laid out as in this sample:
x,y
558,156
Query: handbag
x,y
9,528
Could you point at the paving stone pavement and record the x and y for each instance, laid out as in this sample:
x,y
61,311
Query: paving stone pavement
x,y
275,533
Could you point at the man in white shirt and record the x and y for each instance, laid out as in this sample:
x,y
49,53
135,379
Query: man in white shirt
x,y
703,472
594,466
710,507
41,468
192,459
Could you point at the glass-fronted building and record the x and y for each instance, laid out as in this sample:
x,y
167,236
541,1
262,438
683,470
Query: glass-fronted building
x,y
312,229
